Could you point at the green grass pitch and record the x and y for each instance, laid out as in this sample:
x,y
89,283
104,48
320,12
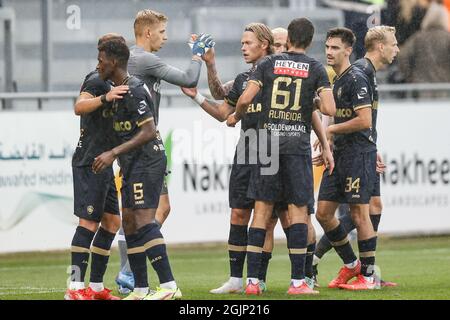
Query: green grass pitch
x,y
421,266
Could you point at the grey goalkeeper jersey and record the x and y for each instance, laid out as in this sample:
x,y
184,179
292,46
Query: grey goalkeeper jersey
x,y
151,69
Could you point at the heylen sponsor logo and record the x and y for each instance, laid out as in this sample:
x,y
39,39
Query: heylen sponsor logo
x,y
291,68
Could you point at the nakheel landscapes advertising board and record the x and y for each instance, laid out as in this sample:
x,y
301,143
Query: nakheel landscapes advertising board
x,y
36,192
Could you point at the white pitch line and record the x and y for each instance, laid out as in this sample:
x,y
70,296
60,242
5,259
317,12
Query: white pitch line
x,y
55,266
29,288
34,292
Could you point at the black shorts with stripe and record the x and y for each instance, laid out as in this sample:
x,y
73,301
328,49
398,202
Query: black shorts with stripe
x,y
142,188
291,183
353,179
94,194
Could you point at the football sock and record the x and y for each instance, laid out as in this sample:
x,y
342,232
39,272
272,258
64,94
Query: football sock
x,y
100,252
255,245
81,243
138,260
339,240
265,257
367,250
309,260
375,219
298,237
237,249
156,251
324,245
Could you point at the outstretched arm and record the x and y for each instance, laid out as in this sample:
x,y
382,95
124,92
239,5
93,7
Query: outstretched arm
x,y
220,110
218,90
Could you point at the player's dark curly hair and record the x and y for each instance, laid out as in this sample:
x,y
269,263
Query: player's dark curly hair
x,y
300,33
116,49
346,35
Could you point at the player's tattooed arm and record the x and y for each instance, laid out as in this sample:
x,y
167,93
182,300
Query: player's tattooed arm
x,y
87,103
218,90
146,134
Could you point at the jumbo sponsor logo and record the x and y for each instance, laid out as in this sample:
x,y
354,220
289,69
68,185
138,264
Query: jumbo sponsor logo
x,y
416,170
291,68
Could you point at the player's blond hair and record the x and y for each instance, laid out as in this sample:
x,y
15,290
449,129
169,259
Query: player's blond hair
x,y
377,34
262,33
279,30
147,18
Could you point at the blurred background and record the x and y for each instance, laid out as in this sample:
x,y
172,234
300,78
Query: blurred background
x,y
48,46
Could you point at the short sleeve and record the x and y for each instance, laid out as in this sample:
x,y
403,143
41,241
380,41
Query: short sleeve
x,y
361,94
236,91
323,82
95,86
257,76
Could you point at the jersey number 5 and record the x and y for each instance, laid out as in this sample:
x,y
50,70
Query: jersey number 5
x,y
138,191
286,94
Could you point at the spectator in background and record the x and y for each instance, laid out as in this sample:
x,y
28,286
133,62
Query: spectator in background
x,y
425,56
406,16
447,5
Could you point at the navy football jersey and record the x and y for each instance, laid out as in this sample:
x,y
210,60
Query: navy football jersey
x,y
129,113
289,83
368,68
352,92
250,120
96,127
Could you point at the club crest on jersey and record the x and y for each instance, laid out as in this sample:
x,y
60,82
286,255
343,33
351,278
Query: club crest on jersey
x,y
244,85
142,106
339,93
291,68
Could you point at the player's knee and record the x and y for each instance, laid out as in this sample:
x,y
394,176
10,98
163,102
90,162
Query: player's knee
x,y
360,219
271,226
88,224
376,206
111,223
128,224
322,217
240,216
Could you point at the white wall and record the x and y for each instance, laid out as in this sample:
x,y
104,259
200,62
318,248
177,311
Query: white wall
x,y
36,194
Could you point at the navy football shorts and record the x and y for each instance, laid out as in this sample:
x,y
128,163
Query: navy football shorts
x,y
376,192
141,188
353,178
291,183
238,187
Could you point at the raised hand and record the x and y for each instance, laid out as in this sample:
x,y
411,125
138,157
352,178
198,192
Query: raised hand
x,y
116,93
201,44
